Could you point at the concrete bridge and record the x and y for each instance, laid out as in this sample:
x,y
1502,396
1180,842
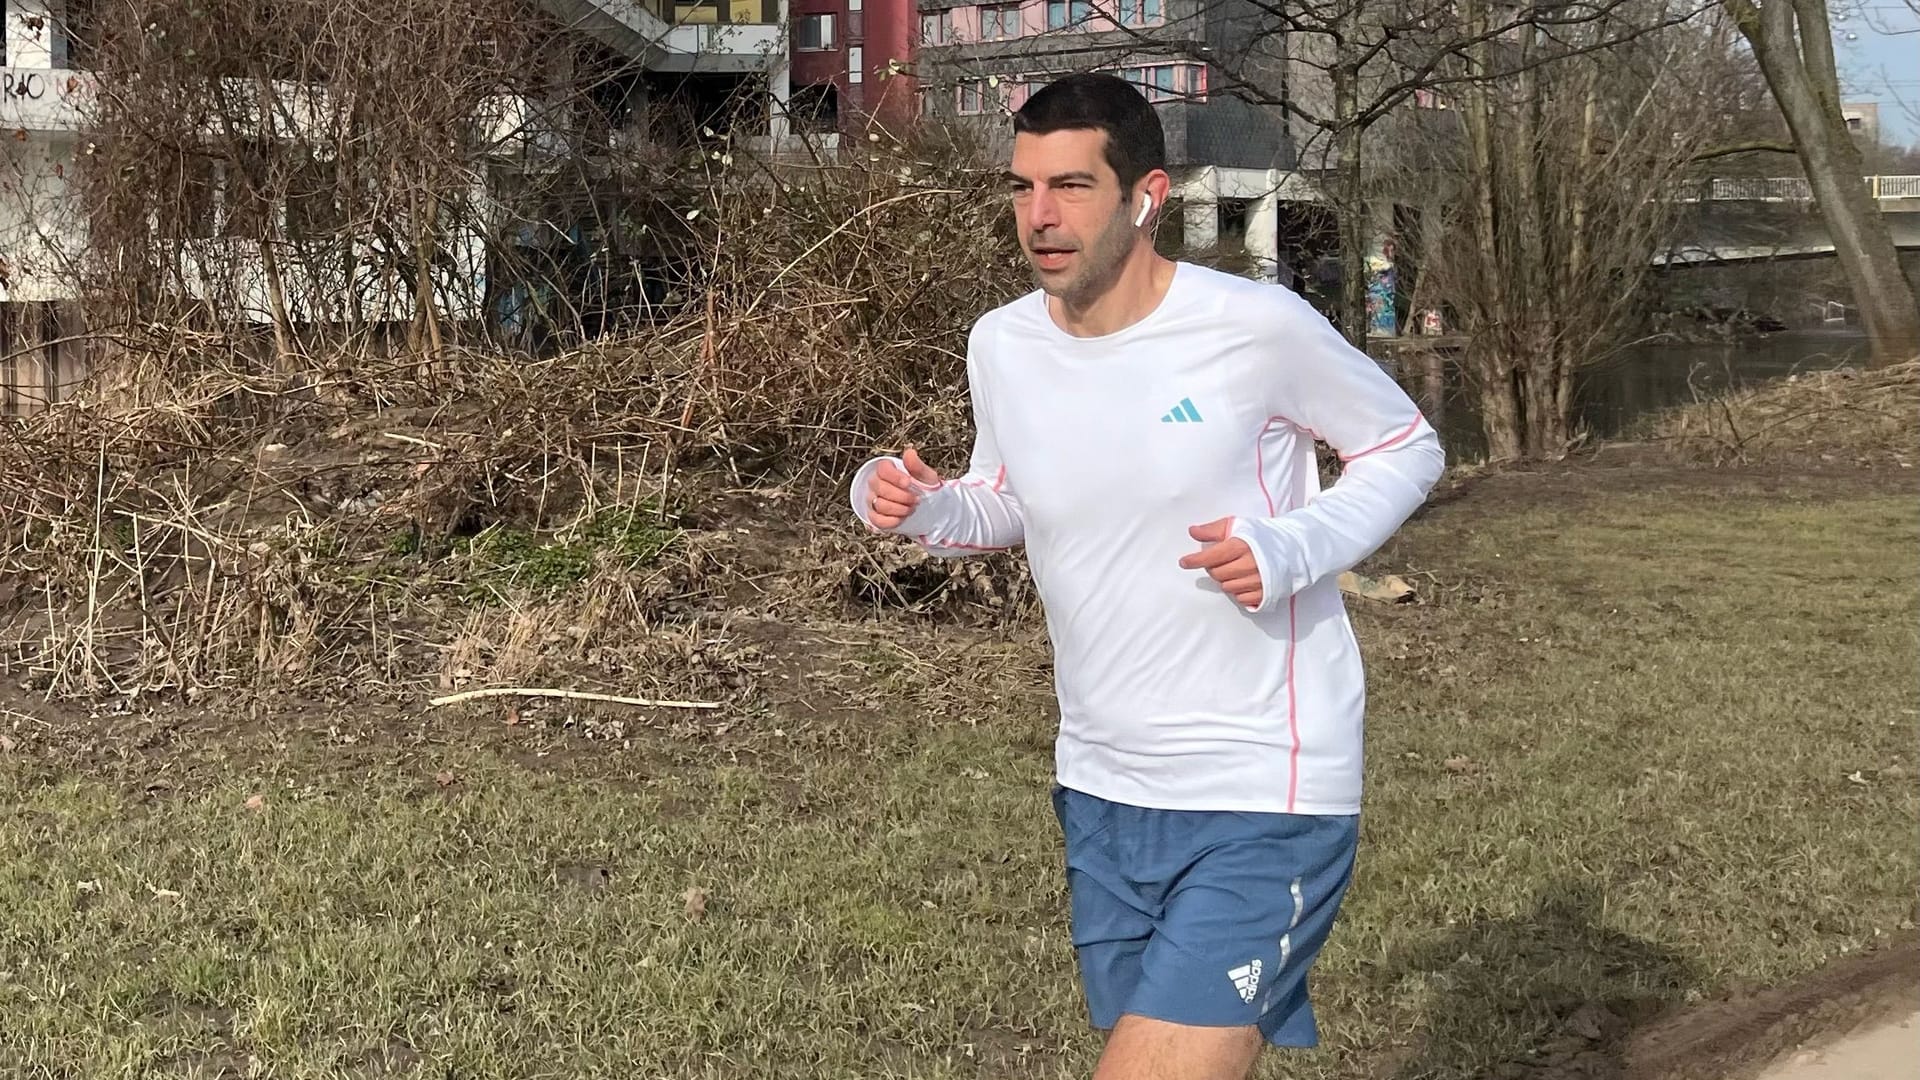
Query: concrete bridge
x,y
1742,219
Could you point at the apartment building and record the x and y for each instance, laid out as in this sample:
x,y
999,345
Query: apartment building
x,y
703,56
851,65
1232,156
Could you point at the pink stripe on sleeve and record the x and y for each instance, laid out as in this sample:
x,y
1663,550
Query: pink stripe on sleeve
x,y
1400,438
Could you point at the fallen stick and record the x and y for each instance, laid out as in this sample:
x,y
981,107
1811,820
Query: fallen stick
x,y
396,436
575,695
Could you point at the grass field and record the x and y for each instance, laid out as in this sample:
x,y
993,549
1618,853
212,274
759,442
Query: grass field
x,y
1647,737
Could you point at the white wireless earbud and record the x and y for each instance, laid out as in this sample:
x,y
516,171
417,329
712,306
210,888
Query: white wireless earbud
x,y
1146,207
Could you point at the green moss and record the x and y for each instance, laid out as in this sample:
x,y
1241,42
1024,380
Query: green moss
x,y
504,557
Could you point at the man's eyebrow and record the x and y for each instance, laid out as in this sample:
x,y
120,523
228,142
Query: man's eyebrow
x,y
1015,178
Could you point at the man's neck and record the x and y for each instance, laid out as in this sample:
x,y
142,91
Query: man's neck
x,y
1141,286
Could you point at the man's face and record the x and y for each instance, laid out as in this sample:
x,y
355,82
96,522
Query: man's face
x,y
1072,215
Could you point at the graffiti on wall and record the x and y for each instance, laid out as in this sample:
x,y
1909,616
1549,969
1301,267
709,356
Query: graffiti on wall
x,y
26,84
1382,317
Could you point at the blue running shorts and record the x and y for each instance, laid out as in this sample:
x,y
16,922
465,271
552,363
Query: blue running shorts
x,y
1208,918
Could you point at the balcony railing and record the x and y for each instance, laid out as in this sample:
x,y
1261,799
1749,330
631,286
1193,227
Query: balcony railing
x,y
677,12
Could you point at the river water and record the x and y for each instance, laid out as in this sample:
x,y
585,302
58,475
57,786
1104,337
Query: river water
x,y
1612,396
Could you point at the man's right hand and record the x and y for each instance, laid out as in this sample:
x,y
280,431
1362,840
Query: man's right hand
x,y
892,495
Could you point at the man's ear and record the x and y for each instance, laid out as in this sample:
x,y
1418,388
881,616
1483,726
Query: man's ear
x,y
1158,187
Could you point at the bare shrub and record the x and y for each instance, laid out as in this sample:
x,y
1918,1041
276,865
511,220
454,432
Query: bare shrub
x,y
1845,416
275,486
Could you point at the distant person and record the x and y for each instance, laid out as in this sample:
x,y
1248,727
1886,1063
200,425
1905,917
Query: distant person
x,y
1146,428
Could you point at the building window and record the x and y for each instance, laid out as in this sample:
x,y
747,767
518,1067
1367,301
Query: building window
x,y
856,62
856,28
1064,13
936,27
999,21
1142,12
1169,82
813,33
973,97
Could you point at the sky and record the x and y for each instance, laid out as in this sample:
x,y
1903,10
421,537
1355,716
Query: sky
x,y
1880,61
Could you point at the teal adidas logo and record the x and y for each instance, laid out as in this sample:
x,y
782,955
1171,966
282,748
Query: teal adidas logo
x,y
1183,413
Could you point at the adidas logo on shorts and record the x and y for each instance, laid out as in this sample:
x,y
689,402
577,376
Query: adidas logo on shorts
x,y
1246,980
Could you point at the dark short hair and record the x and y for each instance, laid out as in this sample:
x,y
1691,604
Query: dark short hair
x,y
1097,101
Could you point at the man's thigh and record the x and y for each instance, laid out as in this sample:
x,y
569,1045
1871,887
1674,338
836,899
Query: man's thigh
x,y
1204,924
1242,928
1142,1048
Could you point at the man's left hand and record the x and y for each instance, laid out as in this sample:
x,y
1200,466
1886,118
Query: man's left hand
x,y
1227,560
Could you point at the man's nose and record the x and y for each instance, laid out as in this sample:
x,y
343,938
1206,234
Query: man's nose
x,y
1043,210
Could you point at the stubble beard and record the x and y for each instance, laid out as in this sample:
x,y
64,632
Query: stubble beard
x,y
1101,264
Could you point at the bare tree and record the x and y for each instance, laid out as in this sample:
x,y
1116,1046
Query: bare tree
x,y
1568,173
1793,42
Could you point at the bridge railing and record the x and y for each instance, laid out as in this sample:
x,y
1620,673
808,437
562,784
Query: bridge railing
x,y
1785,188
1760,188
1896,187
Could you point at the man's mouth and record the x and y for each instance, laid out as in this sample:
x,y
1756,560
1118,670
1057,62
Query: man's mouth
x,y
1051,257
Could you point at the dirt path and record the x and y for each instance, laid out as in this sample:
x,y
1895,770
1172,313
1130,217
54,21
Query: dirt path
x,y
1889,1050
1855,1019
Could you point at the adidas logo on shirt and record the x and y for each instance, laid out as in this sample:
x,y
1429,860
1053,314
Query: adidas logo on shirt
x,y
1246,980
1183,413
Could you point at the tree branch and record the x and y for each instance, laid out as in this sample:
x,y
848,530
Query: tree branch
x,y
1759,146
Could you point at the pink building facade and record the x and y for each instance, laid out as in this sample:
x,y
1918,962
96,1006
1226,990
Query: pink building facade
x,y
851,63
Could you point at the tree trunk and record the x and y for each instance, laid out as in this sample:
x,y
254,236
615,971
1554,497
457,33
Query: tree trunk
x,y
425,234
1563,397
1480,167
1502,416
1495,374
1352,206
1433,386
1546,426
277,301
269,254
1798,64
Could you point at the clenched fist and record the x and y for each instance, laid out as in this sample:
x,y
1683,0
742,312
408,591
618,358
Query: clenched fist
x,y
1228,560
893,495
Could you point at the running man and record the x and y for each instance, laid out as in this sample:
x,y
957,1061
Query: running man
x,y
1146,429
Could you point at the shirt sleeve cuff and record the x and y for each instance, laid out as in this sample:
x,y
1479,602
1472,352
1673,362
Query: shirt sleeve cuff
x,y
925,517
1274,556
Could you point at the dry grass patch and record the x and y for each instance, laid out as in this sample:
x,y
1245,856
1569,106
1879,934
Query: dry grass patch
x,y
1634,748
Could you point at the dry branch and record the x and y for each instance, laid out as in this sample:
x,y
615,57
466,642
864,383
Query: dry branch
x,y
570,695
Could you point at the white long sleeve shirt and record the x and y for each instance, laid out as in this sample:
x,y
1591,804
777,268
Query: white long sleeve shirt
x,y
1099,453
